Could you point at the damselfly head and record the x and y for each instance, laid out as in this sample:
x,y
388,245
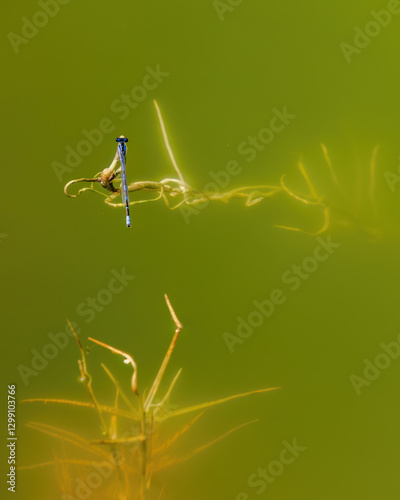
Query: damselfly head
x,y
121,138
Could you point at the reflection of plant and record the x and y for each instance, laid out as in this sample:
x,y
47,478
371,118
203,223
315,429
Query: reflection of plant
x,y
124,463
358,211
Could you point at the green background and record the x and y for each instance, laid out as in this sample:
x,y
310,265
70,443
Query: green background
x,y
225,78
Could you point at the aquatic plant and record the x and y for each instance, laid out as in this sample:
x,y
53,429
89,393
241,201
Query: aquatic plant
x,y
131,451
356,209
353,208
175,191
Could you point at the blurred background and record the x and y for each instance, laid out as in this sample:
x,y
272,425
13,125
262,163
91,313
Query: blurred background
x,y
220,72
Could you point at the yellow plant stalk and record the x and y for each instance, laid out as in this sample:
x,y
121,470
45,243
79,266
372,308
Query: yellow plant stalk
x,y
133,458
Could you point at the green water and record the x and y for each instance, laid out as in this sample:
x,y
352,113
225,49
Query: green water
x,y
220,75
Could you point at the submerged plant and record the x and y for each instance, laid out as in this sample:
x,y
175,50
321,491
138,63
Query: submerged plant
x,y
355,209
131,451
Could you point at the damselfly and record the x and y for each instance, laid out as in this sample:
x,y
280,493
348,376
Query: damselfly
x,y
124,185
